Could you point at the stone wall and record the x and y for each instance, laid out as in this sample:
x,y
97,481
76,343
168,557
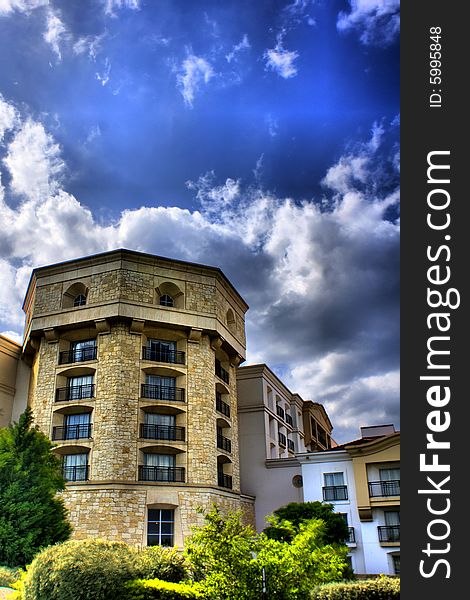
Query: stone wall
x,y
43,385
115,428
48,297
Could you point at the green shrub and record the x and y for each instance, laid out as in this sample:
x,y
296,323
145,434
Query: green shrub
x,y
8,576
155,589
82,570
156,562
382,588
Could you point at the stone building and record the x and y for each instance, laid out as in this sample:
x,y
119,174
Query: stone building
x,y
133,363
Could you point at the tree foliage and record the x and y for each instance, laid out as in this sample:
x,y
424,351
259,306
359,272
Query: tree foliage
x,y
228,558
296,513
31,515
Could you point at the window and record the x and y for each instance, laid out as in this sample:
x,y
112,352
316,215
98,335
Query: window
x,y
390,481
396,564
75,467
79,300
84,350
334,488
160,527
166,300
163,351
80,387
161,388
160,427
77,426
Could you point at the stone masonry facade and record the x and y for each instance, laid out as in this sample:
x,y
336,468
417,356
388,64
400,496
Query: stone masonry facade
x,y
122,313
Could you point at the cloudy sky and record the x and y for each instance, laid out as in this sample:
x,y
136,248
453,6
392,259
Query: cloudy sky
x,y
261,137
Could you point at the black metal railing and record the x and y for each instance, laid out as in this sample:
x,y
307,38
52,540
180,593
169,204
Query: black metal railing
x,y
163,474
280,412
75,392
221,372
162,392
224,443
351,539
75,473
162,355
389,533
282,440
382,489
290,445
335,492
224,480
162,432
78,355
222,406
289,420
72,432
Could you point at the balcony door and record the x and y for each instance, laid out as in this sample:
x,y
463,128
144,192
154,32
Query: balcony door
x,y
75,467
160,427
390,481
162,350
79,387
77,426
84,350
166,386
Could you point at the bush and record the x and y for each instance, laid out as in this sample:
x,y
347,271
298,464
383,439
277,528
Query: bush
x,y
8,576
155,589
82,570
156,562
382,588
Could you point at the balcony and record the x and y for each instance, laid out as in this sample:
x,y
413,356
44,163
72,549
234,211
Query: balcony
x,y
74,356
75,392
282,440
290,445
224,443
221,406
384,489
224,480
221,372
335,492
72,432
289,420
280,412
75,473
389,533
162,432
162,392
165,356
161,474
351,539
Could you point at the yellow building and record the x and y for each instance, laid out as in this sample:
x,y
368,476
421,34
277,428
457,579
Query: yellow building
x,y
133,363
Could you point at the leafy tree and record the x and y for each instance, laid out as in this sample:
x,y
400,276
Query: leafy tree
x,y
31,515
335,532
228,558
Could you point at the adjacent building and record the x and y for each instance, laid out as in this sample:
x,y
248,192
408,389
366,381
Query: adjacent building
x,y
362,481
274,425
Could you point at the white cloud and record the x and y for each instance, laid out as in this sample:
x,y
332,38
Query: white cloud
x,y
34,162
322,283
8,117
376,21
104,76
89,45
25,6
194,71
55,33
280,60
111,5
243,45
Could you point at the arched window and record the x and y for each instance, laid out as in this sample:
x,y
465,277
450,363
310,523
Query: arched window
x,y
166,300
230,318
79,300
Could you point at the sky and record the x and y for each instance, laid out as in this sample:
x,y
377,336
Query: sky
x,y
259,137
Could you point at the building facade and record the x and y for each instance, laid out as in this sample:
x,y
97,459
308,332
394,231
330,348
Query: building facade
x,y
132,374
274,425
362,481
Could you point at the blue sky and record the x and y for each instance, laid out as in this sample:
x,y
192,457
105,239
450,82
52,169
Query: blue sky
x,y
261,137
